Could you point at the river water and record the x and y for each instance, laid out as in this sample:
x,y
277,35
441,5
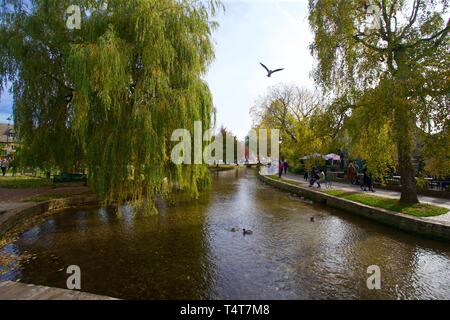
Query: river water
x,y
188,251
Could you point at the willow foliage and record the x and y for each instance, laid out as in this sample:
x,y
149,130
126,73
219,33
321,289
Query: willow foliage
x,y
108,96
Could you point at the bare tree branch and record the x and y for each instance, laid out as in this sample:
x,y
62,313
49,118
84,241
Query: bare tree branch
x,y
441,35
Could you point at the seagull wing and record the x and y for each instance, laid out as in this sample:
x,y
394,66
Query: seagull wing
x,y
278,70
267,69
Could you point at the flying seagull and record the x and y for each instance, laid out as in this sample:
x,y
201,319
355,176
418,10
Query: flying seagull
x,y
270,72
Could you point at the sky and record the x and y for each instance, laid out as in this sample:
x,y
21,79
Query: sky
x,y
274,32
5,107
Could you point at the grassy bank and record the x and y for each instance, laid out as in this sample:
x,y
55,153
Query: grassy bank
x,y
46,197
417,210
23,182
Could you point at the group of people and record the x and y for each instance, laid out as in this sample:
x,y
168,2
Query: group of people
x,y
318,177
283,168
353,177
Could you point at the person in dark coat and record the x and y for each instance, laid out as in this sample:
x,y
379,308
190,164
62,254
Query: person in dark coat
x,y
367,181
281,168
285,167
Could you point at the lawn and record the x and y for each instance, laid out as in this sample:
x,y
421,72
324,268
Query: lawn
x,y
23,182
417,210
45,197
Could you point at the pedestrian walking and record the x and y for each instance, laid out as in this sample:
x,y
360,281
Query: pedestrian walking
x,y
367,181
321,179
4,166
281,168
315,177
351,173
312,179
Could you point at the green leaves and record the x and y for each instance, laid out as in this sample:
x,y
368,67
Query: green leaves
x,y
108,96
398,70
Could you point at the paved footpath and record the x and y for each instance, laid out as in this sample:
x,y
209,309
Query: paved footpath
x,y
17,198
20,291
441,202
14,200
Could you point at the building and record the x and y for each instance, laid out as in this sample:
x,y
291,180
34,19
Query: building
x,y
7,140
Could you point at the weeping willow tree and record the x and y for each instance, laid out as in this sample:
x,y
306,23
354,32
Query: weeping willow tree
x,y
108,96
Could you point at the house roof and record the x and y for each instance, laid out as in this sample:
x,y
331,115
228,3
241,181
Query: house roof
x,y
6,133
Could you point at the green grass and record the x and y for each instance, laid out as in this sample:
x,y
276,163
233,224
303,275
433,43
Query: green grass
x,y
45,197
276,178
22,182
417,210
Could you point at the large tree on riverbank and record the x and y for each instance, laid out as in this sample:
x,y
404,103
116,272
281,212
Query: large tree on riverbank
x,y
290,108
394,52
108,96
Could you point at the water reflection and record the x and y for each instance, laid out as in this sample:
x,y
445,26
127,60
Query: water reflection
x,y
189,252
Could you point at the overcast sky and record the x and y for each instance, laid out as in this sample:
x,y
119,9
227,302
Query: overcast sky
x,y
274,32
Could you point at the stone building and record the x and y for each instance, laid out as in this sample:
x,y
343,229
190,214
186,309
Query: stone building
x,y
7,140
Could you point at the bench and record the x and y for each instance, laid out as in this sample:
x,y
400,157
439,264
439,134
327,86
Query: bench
x,y
70,177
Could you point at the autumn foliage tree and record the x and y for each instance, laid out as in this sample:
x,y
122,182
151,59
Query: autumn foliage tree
x,y
396,51
289,109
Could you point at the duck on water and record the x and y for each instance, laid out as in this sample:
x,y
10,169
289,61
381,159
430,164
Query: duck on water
x,y
244,231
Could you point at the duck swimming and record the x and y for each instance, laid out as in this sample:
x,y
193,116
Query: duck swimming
x,y
247,232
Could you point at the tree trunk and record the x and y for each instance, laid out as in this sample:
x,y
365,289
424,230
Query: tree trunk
x,y
409,190
404,123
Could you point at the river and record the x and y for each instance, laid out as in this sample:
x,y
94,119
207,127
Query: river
x,y
188,251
